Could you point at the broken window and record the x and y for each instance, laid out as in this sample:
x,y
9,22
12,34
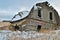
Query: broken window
x,y
50,14
39,13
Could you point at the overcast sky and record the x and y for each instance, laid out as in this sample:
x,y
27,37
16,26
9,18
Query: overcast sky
x,y
8,8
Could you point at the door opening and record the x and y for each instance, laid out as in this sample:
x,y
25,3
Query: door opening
x,y
38,28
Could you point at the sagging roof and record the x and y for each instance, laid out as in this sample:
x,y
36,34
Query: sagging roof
x,y
37,4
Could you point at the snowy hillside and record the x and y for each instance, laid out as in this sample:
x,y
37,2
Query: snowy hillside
x,y
29,35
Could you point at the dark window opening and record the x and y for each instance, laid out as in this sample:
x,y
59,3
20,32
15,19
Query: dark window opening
x,y
50,15
39,12
38,28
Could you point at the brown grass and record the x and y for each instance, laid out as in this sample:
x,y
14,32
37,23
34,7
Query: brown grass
x,y
45,31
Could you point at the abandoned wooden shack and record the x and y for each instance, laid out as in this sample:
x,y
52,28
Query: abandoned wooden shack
x,y
41,16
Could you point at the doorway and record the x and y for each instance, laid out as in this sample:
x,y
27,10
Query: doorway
x,y
38,28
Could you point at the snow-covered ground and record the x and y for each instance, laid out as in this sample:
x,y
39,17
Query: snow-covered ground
x,y
29,35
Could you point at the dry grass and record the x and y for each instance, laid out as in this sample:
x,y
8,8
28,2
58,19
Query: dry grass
x,y
45,31
4,25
